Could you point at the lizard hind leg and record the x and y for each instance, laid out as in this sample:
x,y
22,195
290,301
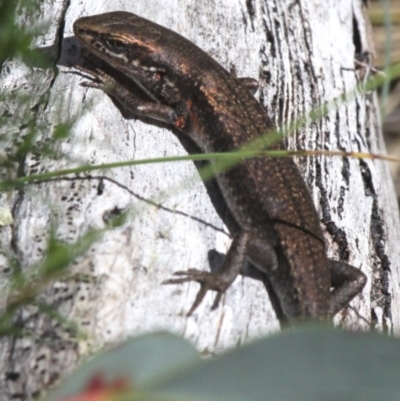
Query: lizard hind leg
x,y
347,282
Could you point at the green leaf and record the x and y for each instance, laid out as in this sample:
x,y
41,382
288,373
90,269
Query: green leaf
x,y
311,364
300,365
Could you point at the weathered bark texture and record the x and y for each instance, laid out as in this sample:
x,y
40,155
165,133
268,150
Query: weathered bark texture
x,y
303,53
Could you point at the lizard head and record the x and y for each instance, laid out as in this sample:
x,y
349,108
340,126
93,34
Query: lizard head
x,y
141,49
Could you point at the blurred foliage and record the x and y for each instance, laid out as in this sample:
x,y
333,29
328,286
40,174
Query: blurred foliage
x,y
385,18
27,284
306,364
14,39
26,133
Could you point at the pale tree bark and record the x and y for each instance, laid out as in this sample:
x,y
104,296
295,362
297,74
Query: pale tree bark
x,y
303,54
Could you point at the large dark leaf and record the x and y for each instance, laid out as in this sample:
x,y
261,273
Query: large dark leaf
x,y
299,365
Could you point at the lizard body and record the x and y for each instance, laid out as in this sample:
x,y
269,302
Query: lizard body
x,y
279,229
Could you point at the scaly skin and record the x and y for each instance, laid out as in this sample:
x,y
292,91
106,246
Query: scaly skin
x,y
279,231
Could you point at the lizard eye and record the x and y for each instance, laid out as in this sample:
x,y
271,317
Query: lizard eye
x,y
117,46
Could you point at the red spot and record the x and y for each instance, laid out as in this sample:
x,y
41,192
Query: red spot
x,y
180,123
98,390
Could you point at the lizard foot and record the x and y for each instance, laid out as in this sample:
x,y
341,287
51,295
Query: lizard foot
x,y
97,79
207,281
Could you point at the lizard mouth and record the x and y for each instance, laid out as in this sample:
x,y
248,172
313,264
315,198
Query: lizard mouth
x,y
103,50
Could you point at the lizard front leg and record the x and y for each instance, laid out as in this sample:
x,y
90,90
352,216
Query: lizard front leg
x,y
133,104
244,244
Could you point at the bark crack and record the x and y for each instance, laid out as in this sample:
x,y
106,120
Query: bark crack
x,y
381,277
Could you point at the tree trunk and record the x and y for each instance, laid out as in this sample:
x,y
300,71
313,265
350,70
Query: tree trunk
x,y
303,54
